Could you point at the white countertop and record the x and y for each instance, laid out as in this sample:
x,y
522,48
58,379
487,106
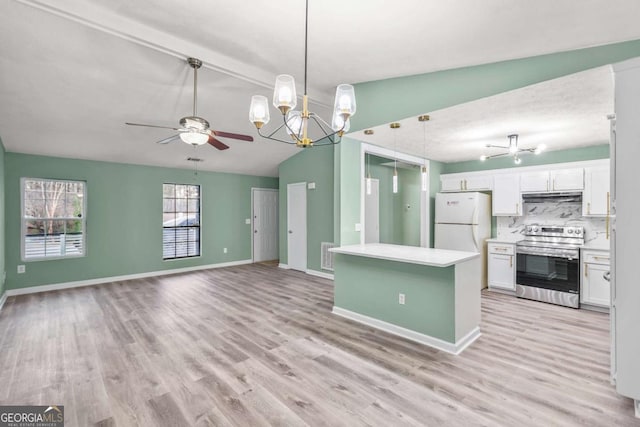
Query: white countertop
x,y
409,254
591,247
503,240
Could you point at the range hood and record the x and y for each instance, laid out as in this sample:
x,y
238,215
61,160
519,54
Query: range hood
x,y
575,197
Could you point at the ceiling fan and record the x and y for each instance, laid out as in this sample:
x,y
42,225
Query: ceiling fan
x,y
195,130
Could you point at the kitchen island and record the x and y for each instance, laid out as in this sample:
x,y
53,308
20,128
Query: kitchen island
x,y
431,296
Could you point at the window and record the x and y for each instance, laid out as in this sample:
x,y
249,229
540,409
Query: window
x,y
180,221
53,218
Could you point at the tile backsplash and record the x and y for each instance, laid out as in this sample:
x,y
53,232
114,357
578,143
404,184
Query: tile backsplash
x,y
553,213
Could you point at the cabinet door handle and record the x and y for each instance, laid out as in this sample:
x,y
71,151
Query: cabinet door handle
x,y
461,185
586,270
601,257
547,185
517,208
465,184
588,208
511,261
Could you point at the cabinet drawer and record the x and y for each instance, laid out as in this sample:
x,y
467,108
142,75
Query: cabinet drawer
x,y
503,249
596,257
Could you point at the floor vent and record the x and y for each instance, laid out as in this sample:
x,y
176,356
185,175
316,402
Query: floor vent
x,y
326,257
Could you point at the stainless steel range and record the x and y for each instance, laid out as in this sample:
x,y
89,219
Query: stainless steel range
x,y
548,264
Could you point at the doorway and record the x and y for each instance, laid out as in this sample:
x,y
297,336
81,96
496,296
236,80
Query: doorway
x,y
297,226
264,202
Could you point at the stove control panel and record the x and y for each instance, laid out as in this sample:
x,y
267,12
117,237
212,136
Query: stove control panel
x,y
554,231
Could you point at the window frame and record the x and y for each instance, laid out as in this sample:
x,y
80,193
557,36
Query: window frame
x,y
23,222
199,226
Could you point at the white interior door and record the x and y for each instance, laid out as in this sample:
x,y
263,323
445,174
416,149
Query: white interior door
x,y
297,226
265,224
372,213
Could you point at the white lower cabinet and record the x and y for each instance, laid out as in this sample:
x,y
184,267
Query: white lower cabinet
x,y
501,266
595,289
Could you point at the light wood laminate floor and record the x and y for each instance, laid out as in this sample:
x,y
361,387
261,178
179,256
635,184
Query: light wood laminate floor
x,y
256,345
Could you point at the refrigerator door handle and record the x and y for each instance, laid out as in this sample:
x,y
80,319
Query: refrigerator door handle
x,y
475,237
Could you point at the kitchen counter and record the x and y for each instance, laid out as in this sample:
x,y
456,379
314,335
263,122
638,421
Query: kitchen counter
x,y
409,254
592,247
431,296
512,240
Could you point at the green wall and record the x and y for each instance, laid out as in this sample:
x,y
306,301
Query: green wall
x,y
124,218
371,286
398,225
384,101
561,156
2,215
310,165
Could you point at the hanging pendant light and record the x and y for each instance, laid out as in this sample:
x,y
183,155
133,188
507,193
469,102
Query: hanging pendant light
x,y
395,159
298,126
424,177
368,180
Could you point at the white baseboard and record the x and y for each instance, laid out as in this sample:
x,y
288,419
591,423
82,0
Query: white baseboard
x,y
320,274
283,266
418,337
501,291
3,299
101,280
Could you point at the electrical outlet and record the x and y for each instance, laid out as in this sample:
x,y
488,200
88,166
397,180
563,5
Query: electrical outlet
x,y
224,250
401,299
21,269
358,227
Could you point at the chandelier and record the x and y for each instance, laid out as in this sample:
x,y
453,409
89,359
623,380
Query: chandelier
x,y
513,150
298,124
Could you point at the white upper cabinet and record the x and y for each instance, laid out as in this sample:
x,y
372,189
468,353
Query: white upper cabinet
x,y
477,183
448,183
534,182
567,179
506,197
465,183
596,197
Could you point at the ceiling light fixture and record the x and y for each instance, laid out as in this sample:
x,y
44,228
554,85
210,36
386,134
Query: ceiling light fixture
x,y
513,150
394,181
297,123
424,176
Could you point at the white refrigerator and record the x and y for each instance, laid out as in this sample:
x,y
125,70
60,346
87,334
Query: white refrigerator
x,y
463,223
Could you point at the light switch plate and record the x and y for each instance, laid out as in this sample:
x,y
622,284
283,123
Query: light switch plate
x,y
21,269
247,221
358,226
311,186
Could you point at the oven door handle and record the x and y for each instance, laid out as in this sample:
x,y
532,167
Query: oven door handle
x,y
555,255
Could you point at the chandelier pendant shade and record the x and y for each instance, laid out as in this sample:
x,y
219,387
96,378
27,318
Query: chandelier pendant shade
x,y
513,150
299,125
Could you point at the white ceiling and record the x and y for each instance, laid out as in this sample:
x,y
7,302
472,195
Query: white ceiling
x,y
567,112
76,70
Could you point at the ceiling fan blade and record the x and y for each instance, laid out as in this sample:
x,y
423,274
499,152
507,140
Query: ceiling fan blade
x,y
218,144
232,135
168,140
151,126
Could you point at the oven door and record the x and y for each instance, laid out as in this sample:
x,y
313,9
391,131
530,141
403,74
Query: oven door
x,y
548,272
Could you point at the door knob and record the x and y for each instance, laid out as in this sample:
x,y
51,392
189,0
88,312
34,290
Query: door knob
x,y
255,231
290,232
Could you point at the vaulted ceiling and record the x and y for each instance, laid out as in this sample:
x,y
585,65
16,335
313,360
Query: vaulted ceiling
x,y
73,72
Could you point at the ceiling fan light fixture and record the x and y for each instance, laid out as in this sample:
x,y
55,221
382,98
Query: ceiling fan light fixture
x,y
194,137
